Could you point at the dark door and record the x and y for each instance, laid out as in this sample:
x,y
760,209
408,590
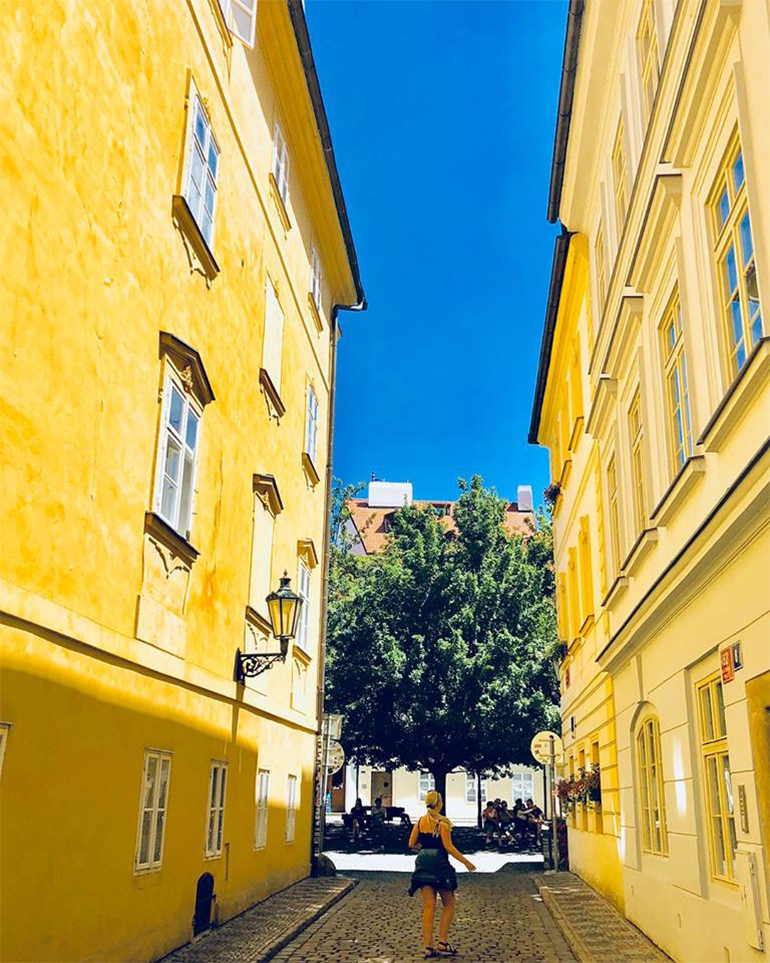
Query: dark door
x,y
204,898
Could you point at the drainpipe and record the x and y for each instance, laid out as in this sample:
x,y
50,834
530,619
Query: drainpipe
x,y
316,843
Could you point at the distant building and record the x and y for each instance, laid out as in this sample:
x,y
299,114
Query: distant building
x,y
369,527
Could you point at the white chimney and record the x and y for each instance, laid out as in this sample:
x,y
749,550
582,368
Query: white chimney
x,y
524,498
389,494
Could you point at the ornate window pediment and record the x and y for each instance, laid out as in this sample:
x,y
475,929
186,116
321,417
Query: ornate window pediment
x,y
189,366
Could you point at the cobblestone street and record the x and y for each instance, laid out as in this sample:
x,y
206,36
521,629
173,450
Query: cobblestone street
x,y
500,917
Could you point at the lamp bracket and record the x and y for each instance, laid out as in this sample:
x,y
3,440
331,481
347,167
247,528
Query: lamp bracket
x,y
250,664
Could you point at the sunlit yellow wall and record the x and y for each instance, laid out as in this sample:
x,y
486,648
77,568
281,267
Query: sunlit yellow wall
x,y
92,118
684,568
588,714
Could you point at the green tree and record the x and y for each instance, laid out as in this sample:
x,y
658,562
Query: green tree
x,y
440,646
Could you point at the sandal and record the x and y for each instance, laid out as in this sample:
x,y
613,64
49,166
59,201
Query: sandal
x,y
430,953
446,949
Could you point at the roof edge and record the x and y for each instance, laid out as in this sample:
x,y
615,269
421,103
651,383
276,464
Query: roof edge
x,y
560,251
564,109
299,23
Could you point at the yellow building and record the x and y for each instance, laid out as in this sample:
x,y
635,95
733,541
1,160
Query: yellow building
x,y
175,251
653,397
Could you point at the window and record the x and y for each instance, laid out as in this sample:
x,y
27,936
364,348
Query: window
x,y
735,261
261,554
177,455
315,279
585,571
281,164
216,818
260,832
716,766
647,44
619,178
200,184
612,491
272,348
523,786
572,585
298,684
241,18
4,730
311,424
427,784
601,278
653,806
303,590
675,373
636,437
291,809
152,815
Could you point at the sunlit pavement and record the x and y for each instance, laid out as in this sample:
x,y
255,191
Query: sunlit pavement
x,y
500,916
403,863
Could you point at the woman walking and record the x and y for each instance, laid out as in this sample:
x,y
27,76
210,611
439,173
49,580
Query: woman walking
x,y
433,873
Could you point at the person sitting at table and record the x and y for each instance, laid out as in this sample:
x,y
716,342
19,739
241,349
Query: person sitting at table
x,y
490,822
359,819
505,821
378,816
534,818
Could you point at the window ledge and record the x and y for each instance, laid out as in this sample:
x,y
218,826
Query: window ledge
x,y
315,313
175,542
645,543
310,470
577,434
566,468
586,625
277,407
279,203
304,657
616,590
748,383
188,225
258,620
684,481
604,399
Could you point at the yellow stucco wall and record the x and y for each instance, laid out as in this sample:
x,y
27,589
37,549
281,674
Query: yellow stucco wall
x,y
95,267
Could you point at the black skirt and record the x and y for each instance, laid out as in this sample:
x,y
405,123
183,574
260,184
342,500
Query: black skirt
x,y
433,868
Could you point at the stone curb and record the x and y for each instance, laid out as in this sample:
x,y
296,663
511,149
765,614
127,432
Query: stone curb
x,y
293,932
574,940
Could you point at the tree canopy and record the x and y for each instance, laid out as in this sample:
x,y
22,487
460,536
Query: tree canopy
x,y
439,647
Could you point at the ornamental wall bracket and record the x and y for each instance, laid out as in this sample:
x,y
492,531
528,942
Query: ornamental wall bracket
x,y
251,664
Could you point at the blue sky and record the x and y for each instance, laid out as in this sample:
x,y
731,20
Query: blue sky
x,y
442,116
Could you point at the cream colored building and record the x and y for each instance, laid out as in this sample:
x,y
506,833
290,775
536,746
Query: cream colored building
x,y
653,396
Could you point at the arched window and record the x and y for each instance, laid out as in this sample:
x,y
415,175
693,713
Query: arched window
x,y
652,800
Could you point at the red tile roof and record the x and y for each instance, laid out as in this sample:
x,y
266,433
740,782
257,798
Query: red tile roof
x,y
372,523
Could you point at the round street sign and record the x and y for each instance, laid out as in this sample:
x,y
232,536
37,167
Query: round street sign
x,y
335,759
541,748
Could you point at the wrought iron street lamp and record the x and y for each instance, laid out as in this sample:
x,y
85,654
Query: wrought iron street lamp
x,y
283,608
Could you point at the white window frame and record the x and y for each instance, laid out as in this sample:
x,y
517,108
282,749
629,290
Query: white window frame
x,y
5,729
523,778
292,802
233,11
215,801
161,758
303,590
280,166
315,279
262,792
201,141
311,423
426,784
470,787
173,383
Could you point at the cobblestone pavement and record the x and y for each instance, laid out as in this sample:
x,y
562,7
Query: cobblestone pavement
x,y
596,932
262,930
500,917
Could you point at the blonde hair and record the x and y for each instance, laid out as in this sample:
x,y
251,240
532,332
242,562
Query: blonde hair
x,y
433,803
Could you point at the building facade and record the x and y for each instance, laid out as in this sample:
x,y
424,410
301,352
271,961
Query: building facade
x,y
367,529
176,251
653,398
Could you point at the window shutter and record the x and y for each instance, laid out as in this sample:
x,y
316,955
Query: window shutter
x,y
273,345
162,438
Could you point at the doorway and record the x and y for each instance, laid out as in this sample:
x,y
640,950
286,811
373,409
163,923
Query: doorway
x,y
204,900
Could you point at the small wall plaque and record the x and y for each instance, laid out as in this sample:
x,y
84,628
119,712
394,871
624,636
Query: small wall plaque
x,y
737,656
743,809
728,668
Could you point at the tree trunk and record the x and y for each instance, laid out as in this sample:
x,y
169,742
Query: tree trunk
x,y
439,779
478,799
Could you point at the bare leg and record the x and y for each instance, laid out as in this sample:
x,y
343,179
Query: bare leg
x,y
428,910
448,903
